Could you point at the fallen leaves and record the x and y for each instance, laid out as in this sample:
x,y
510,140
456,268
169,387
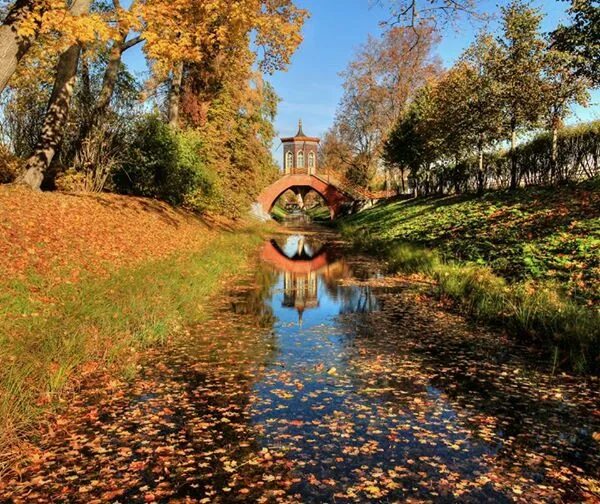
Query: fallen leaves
x,y
60,235
408,403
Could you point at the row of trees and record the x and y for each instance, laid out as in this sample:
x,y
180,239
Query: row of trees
x,y
503,88
195,130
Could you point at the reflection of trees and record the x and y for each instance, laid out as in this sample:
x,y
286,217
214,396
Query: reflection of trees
x,y
253,300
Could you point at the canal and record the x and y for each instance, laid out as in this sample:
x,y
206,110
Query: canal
x,y
319,379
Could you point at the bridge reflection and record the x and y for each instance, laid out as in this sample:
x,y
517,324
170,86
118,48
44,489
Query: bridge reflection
x,y
304,264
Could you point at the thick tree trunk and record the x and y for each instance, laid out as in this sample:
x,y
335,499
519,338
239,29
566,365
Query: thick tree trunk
x,y
514,178
57,112
175,96
12,45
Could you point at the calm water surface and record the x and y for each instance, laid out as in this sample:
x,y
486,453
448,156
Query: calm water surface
x,y
321,381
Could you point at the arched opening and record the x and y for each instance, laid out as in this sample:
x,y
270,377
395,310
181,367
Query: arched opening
x,y
301,202
300,163
311,160
289,161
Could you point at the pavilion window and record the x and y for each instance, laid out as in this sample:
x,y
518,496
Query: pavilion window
x,y
300,159
289,161
311,159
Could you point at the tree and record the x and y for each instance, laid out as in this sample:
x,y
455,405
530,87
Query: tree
x,y
413,13
29,20
413,144
473,102
57,111
378,83
563,85
582,38
17,32
175,34
121,41
518,68
185,32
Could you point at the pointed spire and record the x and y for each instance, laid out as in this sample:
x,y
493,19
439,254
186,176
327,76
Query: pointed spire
x,y
300,132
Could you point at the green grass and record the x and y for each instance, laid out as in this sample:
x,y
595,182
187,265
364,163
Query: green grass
x,y
278,213
528,260
50,335
319,214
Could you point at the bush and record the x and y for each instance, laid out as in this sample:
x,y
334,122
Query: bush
x,y
164,164
10,166
100,155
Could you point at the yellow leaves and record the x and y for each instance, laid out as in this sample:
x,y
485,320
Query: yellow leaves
x,y
183,30
373,491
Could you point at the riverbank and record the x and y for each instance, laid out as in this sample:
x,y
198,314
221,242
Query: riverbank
x,y
525,260
318,379
90,282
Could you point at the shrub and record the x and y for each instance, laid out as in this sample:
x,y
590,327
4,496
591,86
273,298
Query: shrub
x,y
10,166
164,164
100,156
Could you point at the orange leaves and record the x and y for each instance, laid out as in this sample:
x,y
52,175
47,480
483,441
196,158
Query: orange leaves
x,y
63,236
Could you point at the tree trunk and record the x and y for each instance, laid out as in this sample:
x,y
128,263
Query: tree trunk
x,y
12,45
109,81
556,174
480,174
175,96
57,112
514,180
402,180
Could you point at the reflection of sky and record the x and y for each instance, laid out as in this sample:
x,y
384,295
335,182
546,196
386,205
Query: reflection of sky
x,y
306,353
291,246
328,308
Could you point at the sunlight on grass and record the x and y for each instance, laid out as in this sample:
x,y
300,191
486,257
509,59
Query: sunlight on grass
x,y
52,335
506,259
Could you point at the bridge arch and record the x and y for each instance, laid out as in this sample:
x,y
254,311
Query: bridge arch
x,y
299,265
334,198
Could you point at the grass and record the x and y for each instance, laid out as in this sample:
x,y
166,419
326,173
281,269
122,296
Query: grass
x,y
278,213
319,213
528,260
52,336
532,233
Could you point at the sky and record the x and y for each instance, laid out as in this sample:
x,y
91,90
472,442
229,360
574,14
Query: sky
x,y
312,87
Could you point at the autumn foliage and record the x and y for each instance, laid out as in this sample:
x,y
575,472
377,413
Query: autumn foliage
x,y
73,109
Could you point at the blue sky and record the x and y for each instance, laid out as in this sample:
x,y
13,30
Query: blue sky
x,y
312,87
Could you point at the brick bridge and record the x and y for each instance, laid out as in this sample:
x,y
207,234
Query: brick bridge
x,y
301,183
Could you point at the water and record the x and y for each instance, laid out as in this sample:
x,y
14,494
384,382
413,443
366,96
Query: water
x,y
320,380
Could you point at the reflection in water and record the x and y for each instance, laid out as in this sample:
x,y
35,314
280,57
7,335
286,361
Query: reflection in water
x,y
305,388
310,270
359,401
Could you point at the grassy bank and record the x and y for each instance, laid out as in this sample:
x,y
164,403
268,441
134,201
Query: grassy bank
x,y
528,260
54,334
